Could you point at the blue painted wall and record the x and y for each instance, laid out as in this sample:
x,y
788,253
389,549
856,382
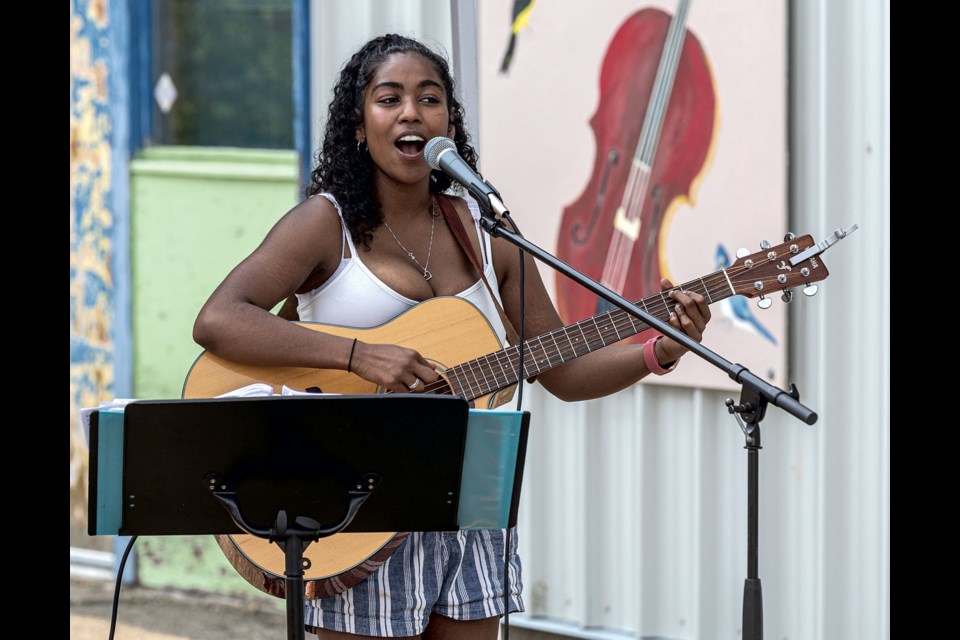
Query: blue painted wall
x,y
100,353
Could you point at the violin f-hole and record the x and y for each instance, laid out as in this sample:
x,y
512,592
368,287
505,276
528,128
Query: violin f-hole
x,y
577,230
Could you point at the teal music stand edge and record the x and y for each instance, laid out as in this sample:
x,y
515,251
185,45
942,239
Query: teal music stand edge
x,y
492,469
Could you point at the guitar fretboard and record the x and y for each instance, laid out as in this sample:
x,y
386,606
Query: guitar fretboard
x,y
498,370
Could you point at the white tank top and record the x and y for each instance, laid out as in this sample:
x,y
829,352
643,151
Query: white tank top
x,y
353,296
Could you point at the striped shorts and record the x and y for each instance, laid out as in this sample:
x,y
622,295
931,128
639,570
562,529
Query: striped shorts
x,y
457,574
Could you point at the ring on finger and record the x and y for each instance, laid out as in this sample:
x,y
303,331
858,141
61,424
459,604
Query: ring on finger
x,y
416,383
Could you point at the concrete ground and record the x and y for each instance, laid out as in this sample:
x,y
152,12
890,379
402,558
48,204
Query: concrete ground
x,y
150,614
168,614
153,614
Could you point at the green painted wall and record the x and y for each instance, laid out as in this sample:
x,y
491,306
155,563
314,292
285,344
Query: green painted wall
x,y
192,563
195,214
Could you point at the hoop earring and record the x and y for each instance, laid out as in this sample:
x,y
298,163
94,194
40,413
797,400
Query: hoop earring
x,y
364,143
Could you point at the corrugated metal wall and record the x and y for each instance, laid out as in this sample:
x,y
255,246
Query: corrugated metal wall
x,y
841,344
634,510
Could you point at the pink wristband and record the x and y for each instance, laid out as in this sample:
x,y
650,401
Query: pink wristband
x,y
650,358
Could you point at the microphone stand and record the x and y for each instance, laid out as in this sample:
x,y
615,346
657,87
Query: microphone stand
x,y
755,395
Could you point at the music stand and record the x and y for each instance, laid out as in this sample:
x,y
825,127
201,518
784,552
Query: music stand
x,y
290,469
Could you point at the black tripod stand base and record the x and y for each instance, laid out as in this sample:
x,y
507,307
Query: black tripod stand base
x,y
752,609
293,550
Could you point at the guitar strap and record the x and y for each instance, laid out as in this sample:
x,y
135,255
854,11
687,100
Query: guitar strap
x,y
456,226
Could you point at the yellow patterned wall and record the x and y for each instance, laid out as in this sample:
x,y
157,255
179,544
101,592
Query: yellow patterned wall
x,y
91,242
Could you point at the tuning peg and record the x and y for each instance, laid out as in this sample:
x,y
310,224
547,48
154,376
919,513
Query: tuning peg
x,y
787,296
810,289
765,245
790,236
743,252
764,302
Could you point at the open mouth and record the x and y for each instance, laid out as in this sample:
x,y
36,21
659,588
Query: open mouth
x,y
411,145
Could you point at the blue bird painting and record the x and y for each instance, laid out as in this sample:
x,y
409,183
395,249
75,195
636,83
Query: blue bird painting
x,y
736,309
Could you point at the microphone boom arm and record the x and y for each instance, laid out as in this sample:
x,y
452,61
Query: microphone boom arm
x,y
788,401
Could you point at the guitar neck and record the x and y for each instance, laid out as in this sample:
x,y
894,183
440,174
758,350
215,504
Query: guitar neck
x,y
449,329
498,370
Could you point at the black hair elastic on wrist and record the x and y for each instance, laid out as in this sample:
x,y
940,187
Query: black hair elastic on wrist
x,y
350,361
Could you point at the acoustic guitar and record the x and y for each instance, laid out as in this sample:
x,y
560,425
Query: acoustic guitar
x,y
459,341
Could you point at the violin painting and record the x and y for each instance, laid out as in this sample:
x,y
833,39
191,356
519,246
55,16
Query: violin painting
x,y
654,131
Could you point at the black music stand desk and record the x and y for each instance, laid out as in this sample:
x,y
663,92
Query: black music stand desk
x,y
293,469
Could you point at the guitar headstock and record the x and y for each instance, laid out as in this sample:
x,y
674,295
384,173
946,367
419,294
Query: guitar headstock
x,y
774,269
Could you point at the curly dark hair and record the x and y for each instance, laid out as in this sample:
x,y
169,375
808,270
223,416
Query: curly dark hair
x,y
347,173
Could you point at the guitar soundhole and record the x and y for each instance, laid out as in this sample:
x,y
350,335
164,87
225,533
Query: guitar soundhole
x,y
442,386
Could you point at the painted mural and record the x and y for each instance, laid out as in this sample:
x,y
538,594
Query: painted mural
x,y
640,140
91,242
654,129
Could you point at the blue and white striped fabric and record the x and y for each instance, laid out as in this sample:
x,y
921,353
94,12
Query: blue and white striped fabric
x,y
457,574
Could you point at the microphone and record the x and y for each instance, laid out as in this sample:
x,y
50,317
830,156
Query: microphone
x,y
441,154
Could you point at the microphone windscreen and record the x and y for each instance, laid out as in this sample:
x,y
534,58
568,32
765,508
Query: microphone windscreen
x,y
435,147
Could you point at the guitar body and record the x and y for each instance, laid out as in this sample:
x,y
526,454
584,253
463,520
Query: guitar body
x,y
446,331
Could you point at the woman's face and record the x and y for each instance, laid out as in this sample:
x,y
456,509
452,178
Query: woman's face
x,y
404,106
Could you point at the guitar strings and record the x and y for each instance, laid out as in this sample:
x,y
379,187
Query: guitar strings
x,y
617,325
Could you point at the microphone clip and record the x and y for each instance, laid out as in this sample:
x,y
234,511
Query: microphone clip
x,y
492,203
